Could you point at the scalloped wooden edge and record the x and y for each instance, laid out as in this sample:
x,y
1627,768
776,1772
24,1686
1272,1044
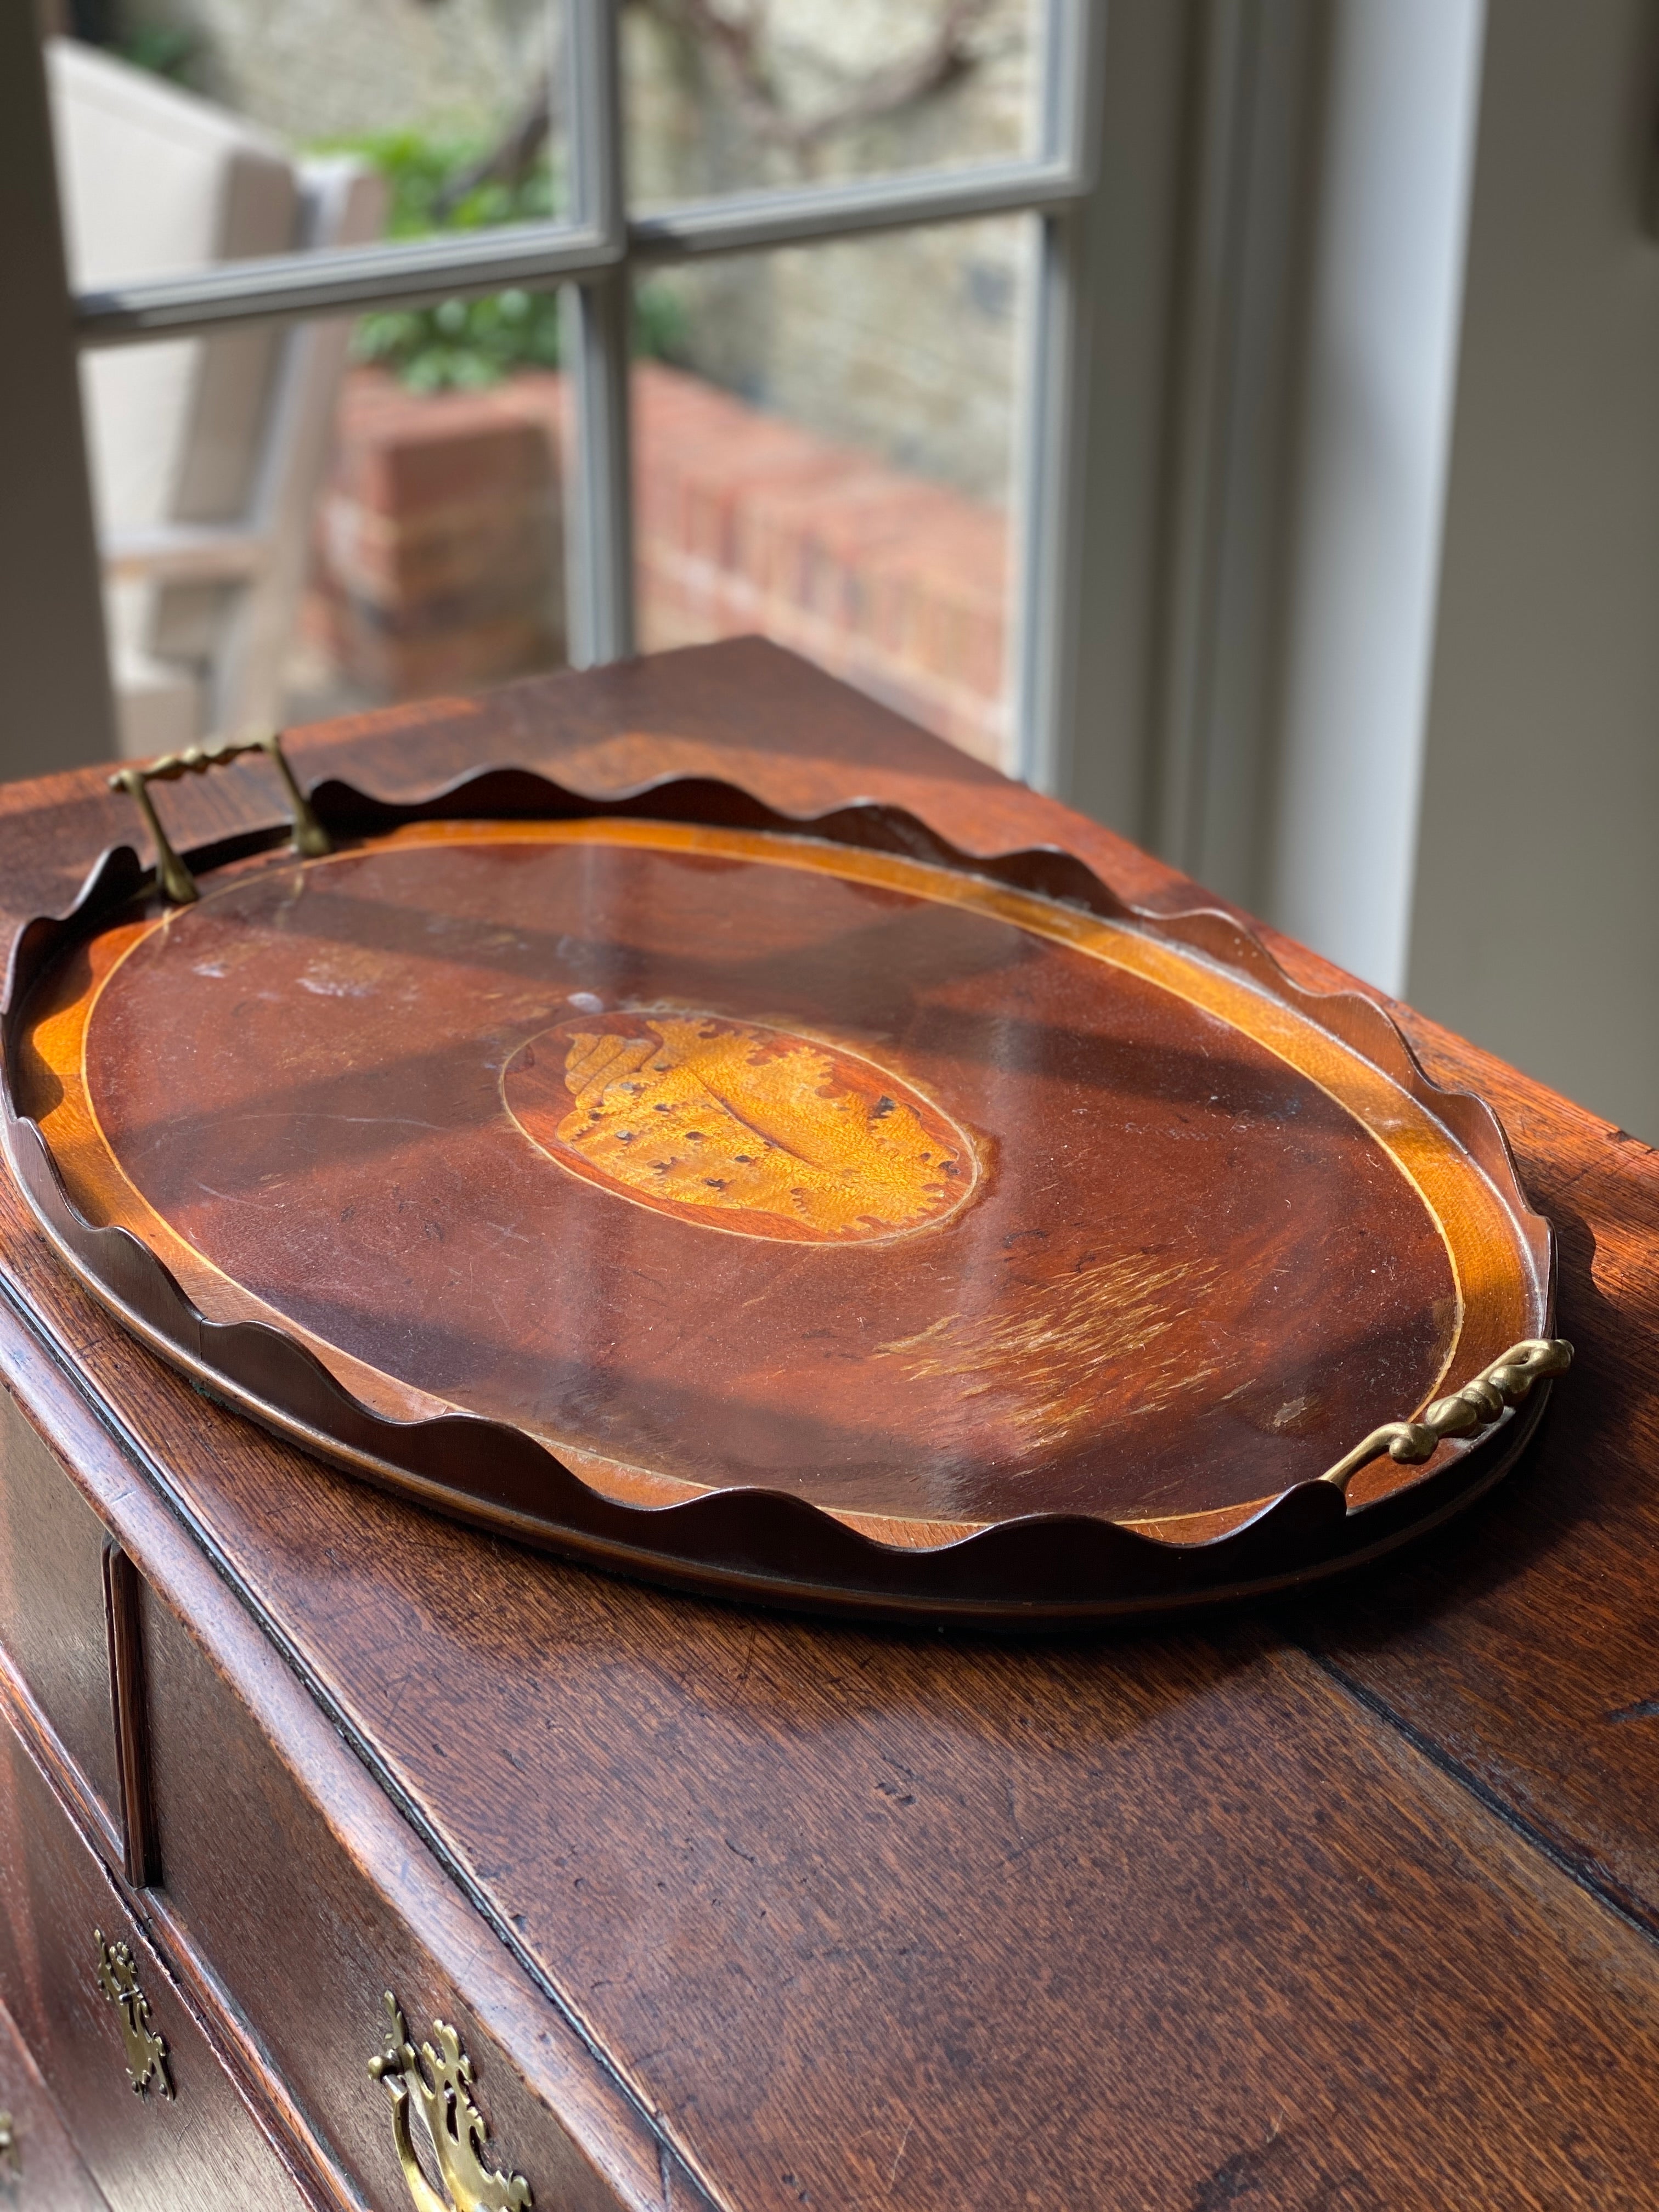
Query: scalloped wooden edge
x,y
747,1542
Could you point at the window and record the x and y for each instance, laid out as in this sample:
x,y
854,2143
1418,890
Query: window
x,y
787,217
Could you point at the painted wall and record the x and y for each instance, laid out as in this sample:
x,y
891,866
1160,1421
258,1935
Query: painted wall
x,y
1535,914
1381,344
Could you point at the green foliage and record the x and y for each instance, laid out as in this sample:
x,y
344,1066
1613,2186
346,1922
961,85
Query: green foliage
x,y
661,330
422,170
168,50
465,344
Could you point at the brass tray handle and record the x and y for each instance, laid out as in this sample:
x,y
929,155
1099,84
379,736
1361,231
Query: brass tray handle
x,y
441,2082
1476,1406
311,840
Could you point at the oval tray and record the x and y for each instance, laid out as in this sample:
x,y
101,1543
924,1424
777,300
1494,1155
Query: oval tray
x,y
803,1211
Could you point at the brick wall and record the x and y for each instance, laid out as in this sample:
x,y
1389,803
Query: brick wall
x,y
438,556
746,523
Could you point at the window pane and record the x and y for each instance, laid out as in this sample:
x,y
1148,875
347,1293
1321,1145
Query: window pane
x,y
724,97
406,540
195,134
822,455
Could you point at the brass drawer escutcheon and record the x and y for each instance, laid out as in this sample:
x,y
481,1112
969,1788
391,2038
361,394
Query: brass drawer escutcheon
x,y
441,2081
11,2158
147,2051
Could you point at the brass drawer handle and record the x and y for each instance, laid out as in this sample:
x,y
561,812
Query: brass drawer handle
x,y
11,2158
442,2088
173,878
147,2051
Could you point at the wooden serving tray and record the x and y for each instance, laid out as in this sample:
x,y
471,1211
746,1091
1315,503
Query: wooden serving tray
x,y
795,1210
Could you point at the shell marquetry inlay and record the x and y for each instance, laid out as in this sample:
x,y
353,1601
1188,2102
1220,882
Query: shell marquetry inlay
x,y
739,1127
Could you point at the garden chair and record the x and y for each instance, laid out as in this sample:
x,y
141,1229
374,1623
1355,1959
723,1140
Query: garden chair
x,y
206,453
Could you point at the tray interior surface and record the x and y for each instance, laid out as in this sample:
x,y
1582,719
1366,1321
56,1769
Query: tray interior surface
x,y
715,1158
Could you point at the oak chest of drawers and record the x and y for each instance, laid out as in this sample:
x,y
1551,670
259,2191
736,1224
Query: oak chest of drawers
x,y
728,1908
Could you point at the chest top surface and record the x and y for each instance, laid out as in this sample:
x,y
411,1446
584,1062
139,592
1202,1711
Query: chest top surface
x,y
870,1916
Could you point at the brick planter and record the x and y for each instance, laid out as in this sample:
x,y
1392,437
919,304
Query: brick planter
x,y
439,557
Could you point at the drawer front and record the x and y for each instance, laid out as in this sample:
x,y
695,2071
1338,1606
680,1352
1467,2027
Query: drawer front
x,y
51,1601
40,2171
305,1940
146,2153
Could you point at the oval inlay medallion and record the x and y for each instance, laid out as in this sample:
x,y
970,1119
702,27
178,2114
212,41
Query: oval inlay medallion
x,y
739,1127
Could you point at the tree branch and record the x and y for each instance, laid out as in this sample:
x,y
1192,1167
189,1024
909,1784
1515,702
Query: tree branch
x,y
739,41
945,57
511,159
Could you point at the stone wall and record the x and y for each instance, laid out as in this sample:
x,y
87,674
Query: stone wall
x,y
319,69
906,344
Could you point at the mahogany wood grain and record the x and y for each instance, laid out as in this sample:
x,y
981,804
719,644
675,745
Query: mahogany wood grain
x,y
1183,1267
863,1918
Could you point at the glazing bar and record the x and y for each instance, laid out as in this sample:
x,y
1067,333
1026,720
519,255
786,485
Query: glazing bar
x,y
1050,478
599,514
453,265
287,285
743,223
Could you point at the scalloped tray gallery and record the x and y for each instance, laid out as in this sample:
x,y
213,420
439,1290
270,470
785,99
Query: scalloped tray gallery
x,y
802,1211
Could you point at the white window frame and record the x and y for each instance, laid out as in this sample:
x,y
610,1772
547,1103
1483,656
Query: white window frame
x,y
591,253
